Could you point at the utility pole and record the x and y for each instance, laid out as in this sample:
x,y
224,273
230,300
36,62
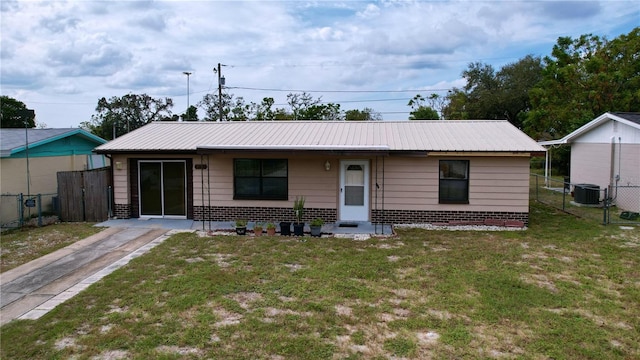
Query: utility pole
x,y
187,115
220,84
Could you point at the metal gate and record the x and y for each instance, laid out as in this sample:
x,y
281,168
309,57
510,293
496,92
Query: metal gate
x,y
84,195
629,213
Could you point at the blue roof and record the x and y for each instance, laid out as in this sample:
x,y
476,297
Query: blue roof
x,y
14,140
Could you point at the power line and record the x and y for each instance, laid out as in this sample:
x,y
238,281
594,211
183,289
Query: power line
x,y
334,91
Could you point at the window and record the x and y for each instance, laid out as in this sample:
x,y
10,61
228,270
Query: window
x,y
454,182
260,179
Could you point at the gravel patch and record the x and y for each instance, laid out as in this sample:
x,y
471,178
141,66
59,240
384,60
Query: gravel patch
x,y
458,227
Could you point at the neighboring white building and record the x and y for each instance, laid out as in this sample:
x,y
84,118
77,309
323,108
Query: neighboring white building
x,y
606,152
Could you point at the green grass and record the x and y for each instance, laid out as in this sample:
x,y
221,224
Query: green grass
x,y
20,246
566,288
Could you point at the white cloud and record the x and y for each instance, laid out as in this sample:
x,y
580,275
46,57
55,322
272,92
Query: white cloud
x,y
56,53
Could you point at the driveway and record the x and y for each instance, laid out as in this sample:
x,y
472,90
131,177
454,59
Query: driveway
x,y
31,290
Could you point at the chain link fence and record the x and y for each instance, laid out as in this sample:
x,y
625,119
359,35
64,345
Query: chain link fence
x,y
18,210
623,205
588,201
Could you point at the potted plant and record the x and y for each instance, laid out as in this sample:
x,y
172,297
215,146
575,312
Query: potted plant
x,y
316,227
298,210
257,229
271,229
285,228
241,227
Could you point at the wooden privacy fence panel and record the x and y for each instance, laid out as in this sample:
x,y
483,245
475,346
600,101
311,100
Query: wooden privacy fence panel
x,y
84,195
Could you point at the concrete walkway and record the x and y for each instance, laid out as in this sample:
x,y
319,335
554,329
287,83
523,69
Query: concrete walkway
x,y
31,290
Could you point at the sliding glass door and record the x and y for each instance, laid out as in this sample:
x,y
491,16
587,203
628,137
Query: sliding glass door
x,y
162,188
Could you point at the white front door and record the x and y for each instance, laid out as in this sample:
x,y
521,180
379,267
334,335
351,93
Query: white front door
x,y
354,190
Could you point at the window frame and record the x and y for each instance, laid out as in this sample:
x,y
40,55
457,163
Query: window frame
x,y
261,180
445,183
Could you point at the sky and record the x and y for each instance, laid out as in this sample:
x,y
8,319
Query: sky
x,y
61,57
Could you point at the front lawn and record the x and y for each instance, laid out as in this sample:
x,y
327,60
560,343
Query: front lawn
x,y
566,288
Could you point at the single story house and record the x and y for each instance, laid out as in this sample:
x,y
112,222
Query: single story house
x,y
32,169
606,152
348,171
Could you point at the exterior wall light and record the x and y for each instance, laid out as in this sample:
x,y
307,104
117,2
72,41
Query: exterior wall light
x,y
327,165
118,165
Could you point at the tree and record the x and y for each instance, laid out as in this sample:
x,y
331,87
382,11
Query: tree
x,y
515,82
495,95
191,114
582,79
119,115
300,103
365,114
233,109
14,114
455,107
264,111
420,110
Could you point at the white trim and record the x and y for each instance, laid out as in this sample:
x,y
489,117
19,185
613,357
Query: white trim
x,y
350,212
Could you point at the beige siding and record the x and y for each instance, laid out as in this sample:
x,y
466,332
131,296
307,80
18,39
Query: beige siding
x,y
307,177
120,179
410,183
495,184
43,174
42,171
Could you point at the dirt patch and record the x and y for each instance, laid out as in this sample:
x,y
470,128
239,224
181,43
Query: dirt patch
x,y
343,310
293,267
178,350
227,318
540,280
65,343
112,355
245,299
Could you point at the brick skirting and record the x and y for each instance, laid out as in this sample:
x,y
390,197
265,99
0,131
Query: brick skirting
x,y
264,214
449,217
276,214
122,211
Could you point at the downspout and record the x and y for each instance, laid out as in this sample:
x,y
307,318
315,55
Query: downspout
x,y
208,191
612,165
202,187
376,198
113,181
383,217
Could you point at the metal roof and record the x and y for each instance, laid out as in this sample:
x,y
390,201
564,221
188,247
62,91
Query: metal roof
x,y
387,136
13,140
627,118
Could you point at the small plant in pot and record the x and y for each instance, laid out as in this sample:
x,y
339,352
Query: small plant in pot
x,y
316,227
257,229
271,229
241,227
298,210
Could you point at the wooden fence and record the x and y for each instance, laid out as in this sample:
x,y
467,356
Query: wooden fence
x,y
84,195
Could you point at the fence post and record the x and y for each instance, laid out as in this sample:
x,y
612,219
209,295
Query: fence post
x,y
39,210
605,208
564,197
20,210
109,200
